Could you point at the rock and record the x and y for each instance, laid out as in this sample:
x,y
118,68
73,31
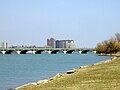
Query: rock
x,y
107,61
114,58
33,83
56,76
83,66
42,81
70,71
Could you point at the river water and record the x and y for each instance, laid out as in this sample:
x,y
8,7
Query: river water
x,y
17,70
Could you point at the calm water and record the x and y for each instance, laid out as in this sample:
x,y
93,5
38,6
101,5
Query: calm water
x,y
16,70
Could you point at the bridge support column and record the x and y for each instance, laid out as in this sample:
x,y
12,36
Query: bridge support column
x,y
49,52
18,52
64,52
80,52
3,52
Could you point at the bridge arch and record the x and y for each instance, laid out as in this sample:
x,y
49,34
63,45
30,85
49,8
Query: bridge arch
x,y
39,51
14,52
55,51
70,51
9,51
24,51
85,51
1,52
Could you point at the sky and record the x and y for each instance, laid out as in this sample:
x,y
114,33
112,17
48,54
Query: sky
x,y
31,22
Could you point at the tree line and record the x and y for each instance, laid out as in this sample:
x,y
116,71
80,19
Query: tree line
x,y
110,46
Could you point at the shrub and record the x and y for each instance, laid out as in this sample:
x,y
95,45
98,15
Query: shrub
x,y
110,46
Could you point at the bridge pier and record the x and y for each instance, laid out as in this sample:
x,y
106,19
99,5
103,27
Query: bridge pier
x,y
64,52
3,52
49,52
18,52
80,52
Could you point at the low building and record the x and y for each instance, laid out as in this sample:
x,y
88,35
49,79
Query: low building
x,y
70,45
3,45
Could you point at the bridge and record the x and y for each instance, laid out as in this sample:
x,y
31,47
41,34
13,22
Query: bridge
x,y
42,50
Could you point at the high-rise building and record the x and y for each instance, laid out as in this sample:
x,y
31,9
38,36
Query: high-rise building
x,y
51,42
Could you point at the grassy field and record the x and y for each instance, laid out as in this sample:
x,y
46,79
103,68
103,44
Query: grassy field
x,y
105,76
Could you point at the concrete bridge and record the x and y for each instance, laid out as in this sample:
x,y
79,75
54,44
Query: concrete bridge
x,y
42,50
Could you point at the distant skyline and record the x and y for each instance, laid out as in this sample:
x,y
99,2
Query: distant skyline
x,y
31,22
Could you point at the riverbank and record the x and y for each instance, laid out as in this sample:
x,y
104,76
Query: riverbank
x,y
103,75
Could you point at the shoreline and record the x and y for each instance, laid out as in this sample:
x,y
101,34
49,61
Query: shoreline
x,y
113,57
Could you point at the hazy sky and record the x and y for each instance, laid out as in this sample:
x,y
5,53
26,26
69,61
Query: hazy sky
x,y
33,21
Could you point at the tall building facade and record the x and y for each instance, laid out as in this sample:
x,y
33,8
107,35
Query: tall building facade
x,y
51,42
